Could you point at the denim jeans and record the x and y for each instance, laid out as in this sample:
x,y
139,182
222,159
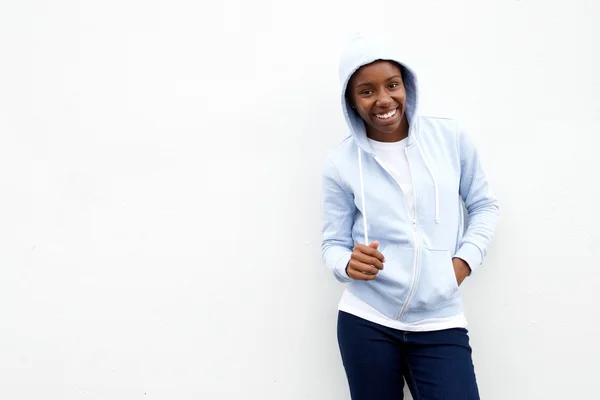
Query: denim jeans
x,y
436,365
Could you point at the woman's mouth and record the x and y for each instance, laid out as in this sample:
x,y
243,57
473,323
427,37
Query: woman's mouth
x,y
387,115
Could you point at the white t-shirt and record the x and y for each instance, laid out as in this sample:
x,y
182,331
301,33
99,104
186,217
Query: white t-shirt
x,y
394,159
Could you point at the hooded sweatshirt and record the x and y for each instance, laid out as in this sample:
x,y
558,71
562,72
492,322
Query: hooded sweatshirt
x,y
362,202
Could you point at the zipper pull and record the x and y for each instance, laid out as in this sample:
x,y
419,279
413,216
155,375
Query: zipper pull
x,y
414,224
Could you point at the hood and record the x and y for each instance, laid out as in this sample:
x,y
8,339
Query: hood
x,y
362,50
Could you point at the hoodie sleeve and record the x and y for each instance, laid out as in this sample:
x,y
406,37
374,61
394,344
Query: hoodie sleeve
x,y
482,206
338,218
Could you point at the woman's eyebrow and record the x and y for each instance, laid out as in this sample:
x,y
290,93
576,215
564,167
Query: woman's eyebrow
x,y
369,83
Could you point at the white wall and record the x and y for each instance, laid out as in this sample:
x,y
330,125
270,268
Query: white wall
x,y
160,173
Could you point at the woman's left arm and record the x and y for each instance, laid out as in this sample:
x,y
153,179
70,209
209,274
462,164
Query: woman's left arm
x,y
481,204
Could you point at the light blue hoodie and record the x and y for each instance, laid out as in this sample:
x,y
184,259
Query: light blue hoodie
x,y
362,203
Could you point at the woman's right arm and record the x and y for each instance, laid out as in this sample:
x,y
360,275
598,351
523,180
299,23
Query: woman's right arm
x,y
338,246
338,218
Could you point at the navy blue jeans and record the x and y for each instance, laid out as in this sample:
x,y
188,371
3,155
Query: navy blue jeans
x,y
436,365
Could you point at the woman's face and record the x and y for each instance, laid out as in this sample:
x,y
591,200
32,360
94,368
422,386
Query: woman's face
x,y
379,97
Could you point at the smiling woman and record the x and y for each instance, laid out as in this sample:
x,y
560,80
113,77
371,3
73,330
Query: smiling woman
x,y
400,317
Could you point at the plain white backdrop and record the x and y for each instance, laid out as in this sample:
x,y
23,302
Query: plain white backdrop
x,y
160,171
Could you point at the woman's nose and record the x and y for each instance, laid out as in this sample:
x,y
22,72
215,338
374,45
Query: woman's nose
x,y
384,101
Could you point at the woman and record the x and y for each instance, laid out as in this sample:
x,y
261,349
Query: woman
x,y
394,231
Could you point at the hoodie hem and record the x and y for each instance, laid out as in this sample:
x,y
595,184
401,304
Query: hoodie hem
x,y
391,307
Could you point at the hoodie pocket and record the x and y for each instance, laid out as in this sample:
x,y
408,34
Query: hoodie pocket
x,y
437,281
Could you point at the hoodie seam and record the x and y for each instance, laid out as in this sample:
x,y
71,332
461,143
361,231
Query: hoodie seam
x,y
437,117
344,141
457,143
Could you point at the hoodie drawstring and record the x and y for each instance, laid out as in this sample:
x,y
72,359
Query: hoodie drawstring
x,y
362,195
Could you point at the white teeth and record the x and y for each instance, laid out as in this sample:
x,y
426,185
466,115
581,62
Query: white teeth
x,y
387,115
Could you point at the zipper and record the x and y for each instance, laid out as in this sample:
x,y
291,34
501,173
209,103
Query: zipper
x,y
413,285
415,230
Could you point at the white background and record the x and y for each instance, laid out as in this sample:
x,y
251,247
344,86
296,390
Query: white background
x,y
160,171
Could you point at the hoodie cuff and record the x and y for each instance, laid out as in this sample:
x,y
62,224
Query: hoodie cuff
x,y
339,269
470,254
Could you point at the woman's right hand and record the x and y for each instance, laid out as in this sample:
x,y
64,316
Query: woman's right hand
x,y
365,262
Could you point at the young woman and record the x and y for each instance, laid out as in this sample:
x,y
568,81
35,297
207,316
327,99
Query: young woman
x,y
394,230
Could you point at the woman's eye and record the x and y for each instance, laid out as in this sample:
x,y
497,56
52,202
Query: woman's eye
x,y
393,85
366,92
